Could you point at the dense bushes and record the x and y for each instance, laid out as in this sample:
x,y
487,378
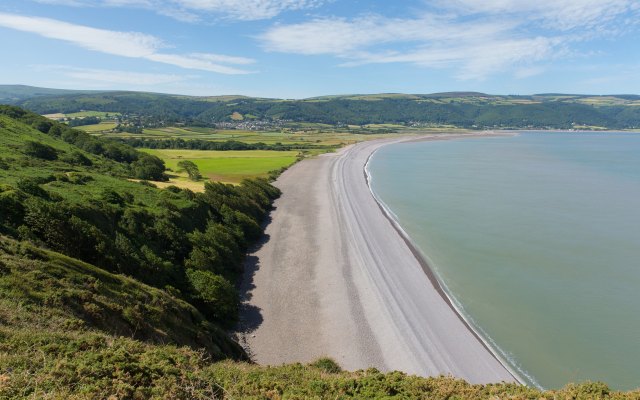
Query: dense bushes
x,y
39,150
154,247
190,245
84,121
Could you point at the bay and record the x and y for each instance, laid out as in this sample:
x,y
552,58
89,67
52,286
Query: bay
x,y
537,238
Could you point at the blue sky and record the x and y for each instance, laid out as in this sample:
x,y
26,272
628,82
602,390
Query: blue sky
x,y
304,48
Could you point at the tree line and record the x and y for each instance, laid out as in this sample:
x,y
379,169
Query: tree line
x,y
227,145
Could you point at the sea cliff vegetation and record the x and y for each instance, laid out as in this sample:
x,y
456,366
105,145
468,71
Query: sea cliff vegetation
x,y
114,289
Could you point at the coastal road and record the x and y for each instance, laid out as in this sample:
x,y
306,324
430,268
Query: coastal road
x,y
334,277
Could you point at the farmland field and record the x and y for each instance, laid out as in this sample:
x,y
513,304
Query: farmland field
x,y
101,127
224,166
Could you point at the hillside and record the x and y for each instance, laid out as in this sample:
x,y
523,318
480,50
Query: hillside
x,y
461,109
85,250
14,93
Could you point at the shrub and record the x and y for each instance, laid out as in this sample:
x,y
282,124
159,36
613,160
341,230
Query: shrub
x,y
11,208
327,365
112,197
32,186
217,295
149,167
76,158
40,150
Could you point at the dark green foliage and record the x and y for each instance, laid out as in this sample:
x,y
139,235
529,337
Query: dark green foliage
x,y
149,167
76,158
82,206
84,121
11,207
218,298
31,186
39,150
112,197
191,168
228,145
58,294
215,250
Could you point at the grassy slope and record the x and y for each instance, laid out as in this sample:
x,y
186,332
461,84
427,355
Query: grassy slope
x,y
12,140
46,292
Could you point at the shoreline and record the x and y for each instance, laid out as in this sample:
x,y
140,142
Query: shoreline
x,y
335,278
437,283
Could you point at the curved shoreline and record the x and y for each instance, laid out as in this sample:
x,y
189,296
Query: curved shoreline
x,y
336,278
438,285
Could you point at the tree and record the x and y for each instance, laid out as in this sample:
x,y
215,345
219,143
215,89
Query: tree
x,y
149,167
218,297
191,168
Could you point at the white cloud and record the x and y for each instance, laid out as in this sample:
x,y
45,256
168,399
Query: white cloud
x,y
192,10
100,77
555,14
343,37
246,9
475,38
125,44
476,49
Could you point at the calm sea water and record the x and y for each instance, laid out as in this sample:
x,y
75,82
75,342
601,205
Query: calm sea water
x,y
537,237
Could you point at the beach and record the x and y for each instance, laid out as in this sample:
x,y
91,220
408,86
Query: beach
x,y
336,277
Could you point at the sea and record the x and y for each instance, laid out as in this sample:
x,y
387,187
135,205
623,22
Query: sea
x,y
536,237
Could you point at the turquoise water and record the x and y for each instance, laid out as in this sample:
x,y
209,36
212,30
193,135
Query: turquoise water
x,y
537,237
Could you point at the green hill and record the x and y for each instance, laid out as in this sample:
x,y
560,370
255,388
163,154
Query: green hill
x,y
461,109
84,250
14,93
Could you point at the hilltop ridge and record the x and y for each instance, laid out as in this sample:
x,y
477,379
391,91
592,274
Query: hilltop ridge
x,y
468,110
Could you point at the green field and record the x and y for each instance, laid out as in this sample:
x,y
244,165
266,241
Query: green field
x,y
302,133
224,166
101,127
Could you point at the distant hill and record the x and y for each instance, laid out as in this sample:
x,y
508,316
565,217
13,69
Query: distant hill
x,y
10,94
460,109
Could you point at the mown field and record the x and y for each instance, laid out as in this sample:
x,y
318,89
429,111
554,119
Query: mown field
x,y
223,166
312,134
101,127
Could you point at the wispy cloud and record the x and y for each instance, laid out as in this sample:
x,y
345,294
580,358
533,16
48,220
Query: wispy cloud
x,y
102,77
475,38
554,14
193,10
125,44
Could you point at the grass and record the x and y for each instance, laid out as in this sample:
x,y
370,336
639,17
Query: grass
x,y
101,127
99,114
294,133
224,166
83,114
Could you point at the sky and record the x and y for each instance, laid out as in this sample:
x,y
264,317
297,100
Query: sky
x,y
306,48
